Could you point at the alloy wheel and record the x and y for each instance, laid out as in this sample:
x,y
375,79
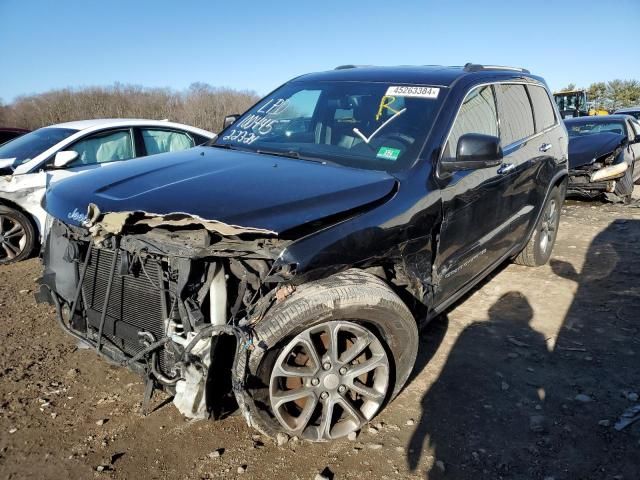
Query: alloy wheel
x,y
329,380
549,226
13,238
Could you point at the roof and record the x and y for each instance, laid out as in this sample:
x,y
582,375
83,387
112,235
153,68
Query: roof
x,y
124,122
427,74
597,118
569,92
14,129
628,109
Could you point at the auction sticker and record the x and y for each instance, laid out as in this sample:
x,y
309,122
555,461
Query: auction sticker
x,y
413,91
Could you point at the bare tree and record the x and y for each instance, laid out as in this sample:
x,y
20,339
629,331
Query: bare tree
x,y
569,88
201,105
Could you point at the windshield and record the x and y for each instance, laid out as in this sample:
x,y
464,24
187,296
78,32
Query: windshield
x,y
28,146
634,114
570,101
582,128
377,126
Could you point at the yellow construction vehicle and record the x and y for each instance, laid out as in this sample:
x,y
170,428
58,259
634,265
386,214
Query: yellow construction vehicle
x,y
574,103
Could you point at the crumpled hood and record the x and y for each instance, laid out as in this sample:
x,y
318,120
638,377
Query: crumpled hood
x,y
236,188
585,150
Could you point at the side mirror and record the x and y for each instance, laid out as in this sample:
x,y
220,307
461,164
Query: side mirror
x,y
230,120
475,151
64,158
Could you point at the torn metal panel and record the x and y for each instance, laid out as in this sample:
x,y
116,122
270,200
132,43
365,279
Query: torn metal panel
x,y
112,223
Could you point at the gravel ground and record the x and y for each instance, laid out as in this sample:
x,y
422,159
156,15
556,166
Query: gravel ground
x,y
523,379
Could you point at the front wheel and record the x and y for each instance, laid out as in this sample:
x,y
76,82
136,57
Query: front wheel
x,y
539,247
337,350
624,186
17,236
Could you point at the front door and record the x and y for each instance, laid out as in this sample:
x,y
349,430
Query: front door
x,y
475,215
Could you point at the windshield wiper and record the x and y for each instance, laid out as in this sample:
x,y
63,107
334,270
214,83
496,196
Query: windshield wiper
x,y
294,154
275,153
228,146
279,153
221,145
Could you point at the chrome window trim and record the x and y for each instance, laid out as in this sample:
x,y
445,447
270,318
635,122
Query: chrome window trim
x,y
511,146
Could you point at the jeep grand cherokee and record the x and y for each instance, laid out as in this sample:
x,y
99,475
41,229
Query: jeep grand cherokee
x,y
289,263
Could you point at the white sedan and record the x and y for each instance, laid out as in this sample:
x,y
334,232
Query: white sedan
x,y
29,164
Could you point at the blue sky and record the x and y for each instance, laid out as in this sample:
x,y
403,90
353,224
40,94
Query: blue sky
x,y
258,45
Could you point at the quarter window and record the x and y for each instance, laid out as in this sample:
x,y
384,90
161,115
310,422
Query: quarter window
x,y
516,117
477,115
542,109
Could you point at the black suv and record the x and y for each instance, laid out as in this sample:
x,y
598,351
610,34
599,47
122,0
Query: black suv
x,y
289,263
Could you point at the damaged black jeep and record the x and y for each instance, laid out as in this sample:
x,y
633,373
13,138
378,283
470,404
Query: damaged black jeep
x,y
290,263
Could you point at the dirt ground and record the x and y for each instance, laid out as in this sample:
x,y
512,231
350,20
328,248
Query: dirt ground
x,y
523,379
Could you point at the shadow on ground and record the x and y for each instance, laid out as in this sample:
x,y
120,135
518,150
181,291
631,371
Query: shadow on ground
x,y
510,403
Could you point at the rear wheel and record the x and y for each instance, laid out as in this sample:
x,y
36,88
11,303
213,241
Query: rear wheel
x,y
338,349
17,235
539,247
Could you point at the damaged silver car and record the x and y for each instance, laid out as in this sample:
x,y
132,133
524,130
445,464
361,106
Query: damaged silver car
x,y
288,264
34,161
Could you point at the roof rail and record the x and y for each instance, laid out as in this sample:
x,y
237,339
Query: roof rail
x,y
476,67
347,67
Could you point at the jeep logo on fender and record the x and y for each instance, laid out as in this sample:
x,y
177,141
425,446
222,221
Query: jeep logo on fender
x,y
76,216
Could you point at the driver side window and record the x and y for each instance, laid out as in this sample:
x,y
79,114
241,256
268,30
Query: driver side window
x,y
477,114
103,147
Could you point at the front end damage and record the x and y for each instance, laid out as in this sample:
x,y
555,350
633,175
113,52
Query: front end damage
x,y
597,177
172,297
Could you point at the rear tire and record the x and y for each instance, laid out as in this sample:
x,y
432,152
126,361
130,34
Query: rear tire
x,y
361,313
624,186
539,247
17,236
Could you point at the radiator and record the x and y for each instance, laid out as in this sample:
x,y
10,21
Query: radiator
x,y
137,303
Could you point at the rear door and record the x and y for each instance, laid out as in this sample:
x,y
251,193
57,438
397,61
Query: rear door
x,y
529,146
475,224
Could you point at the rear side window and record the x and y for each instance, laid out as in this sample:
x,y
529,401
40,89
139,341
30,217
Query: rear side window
x,y
477,115
516,117
542,109
162,141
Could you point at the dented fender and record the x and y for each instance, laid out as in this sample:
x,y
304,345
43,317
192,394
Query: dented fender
x,y
26,192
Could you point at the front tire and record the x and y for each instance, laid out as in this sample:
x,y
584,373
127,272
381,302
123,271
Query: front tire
x,y
17,236
624,186
336,351
539,247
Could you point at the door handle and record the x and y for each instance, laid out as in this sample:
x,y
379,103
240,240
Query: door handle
x,y
545,146
506,168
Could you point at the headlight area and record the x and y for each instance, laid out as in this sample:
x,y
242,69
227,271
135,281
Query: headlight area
x,y
609,173
165,303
